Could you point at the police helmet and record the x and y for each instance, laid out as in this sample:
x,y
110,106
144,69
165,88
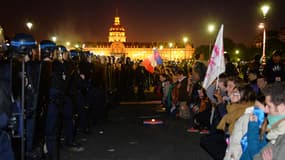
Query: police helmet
x,y
47,47
75,55
23,43
88,53
61,49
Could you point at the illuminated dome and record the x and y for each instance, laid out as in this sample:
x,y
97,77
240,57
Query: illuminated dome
x,y
117,31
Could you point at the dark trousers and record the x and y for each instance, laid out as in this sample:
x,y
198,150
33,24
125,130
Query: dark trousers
x,y
51,132
30,128
101,107
215,144
6,151
81,107
68,125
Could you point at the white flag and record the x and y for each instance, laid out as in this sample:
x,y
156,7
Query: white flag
x,y
216,64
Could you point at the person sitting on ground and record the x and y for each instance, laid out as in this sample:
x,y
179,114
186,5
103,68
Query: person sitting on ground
x,y
165,83
202,112
198,73
254,139
261,82
275,106
214,143
182,94
237,118
172,96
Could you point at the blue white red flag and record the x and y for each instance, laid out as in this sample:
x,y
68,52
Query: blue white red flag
x,y
152,61
157,57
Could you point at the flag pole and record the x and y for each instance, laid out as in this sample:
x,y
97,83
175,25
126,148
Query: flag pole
x,y
216,64
217,83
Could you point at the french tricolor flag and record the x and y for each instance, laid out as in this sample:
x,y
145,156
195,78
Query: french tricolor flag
x,y
152,61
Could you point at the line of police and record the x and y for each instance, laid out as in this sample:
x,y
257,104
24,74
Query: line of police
x,y
46,93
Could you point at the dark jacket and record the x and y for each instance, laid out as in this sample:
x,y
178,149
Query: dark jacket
x,y
273,70
182,92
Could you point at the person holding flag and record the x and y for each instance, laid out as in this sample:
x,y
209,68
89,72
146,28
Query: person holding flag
x,y
216,64
216,67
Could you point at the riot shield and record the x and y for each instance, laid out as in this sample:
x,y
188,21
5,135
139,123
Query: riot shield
x,y
2,41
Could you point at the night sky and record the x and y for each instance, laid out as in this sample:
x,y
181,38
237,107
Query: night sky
x,y
145,20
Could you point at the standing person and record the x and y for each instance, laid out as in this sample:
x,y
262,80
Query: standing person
x,y
275,103
274,69
231,69
56,101
47,48
6,151
67,109
27,70
33,70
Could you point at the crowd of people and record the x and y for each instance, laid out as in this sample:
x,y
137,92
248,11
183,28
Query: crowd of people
x,y
240,115
49,97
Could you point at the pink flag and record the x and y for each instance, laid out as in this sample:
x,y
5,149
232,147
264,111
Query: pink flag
x,y
216,64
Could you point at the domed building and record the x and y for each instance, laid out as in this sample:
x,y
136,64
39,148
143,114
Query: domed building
x,y
117,31
118,46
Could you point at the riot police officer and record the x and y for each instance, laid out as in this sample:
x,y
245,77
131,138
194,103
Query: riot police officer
x,y
27,70
67,110
6,151
85,99
47,49
56,97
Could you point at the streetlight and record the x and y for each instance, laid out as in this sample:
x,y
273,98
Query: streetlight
x,y
53,38
185,40
211,29
264,9
170,44
237,52
29,25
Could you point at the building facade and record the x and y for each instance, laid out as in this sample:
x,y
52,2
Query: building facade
x,y
118,46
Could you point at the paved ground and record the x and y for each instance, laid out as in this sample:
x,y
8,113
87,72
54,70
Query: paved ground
x,y
125,137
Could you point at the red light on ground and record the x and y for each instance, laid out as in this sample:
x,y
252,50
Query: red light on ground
x,y
152,121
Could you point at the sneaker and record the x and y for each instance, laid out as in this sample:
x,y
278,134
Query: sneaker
x,y
204,131
75,148
192,130
172,109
